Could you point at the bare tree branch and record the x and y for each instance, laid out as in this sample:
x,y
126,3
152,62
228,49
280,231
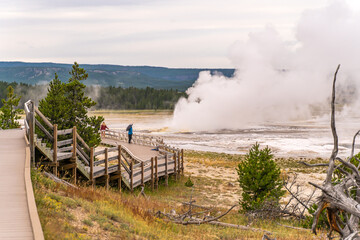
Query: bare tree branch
x,y
353,145
314,165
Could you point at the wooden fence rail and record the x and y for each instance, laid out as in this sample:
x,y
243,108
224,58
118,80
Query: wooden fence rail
x,y
140,139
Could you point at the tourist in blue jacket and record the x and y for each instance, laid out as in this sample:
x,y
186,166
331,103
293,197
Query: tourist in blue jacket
x,y
130,132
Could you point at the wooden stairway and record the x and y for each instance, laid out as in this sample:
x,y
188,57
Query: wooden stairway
x,y
65,150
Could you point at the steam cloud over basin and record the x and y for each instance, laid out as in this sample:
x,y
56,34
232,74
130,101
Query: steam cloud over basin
x,y
278,80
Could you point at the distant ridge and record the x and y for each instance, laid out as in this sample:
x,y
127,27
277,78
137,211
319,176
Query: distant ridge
x,y
107,75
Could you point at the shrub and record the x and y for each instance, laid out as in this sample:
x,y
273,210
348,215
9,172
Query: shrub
x,y
189,183
259,178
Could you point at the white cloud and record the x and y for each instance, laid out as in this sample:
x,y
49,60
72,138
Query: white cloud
x,y
186,33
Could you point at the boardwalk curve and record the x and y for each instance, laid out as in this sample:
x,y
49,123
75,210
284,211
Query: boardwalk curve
x,y
142,152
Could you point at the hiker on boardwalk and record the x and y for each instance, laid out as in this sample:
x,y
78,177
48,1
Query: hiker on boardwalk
x,y
103,127
130,132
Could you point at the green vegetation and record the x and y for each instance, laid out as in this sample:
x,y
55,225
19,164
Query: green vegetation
x,y
189,183
67,105
53,104
107,97
9,113
135,98
259,178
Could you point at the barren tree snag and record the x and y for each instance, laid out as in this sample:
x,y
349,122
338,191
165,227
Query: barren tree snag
x,y
340,198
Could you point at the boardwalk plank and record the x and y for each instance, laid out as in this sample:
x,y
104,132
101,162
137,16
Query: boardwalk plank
x,y
14,213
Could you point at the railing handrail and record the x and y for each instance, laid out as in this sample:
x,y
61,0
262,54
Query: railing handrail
x,y
46,121
144,139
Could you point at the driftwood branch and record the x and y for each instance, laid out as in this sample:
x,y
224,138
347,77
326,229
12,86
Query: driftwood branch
x,y
142,193
217,223
193,217
213,222
296,197
314,165
353,145
297,228
59,180
265,237
205,220
299,201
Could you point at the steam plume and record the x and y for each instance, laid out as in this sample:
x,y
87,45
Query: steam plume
x,y
276,80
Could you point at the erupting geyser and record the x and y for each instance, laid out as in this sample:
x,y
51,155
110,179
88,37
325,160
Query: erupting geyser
x,y
278,80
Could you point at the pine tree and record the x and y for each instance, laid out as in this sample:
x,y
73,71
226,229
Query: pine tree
x,y
77,104
67,105
259,178
9,113
53,105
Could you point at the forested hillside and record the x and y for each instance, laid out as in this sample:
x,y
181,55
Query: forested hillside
x,y
106,75
106,97
134,98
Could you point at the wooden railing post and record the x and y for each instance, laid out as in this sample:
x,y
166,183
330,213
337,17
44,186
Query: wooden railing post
x,y
152,173
92,180
132,176
32,132
55,150
179,163
74,154
182,162
119,167
156,173
166,171
174,158
142,174
106,169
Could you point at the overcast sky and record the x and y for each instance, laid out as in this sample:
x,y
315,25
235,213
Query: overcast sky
x,y
170,33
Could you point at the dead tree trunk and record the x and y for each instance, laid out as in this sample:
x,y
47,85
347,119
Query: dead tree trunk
x,y
340,197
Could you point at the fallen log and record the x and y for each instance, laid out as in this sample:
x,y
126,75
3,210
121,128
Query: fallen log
x,y
217,223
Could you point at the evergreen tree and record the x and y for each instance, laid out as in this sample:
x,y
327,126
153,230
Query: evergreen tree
x,y
67,105
77,105
9,113
53,105
259,178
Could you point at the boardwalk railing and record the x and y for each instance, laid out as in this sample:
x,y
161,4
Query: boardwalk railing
x,y
171,160
140,139
65,150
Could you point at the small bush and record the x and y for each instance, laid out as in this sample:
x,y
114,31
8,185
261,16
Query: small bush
x,y
259,178
189,183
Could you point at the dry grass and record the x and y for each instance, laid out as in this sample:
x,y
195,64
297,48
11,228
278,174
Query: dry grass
x,y
214,159
88,213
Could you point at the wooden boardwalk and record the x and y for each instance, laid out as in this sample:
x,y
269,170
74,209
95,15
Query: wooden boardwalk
x,y
65,151
15,220
145,155
142,152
